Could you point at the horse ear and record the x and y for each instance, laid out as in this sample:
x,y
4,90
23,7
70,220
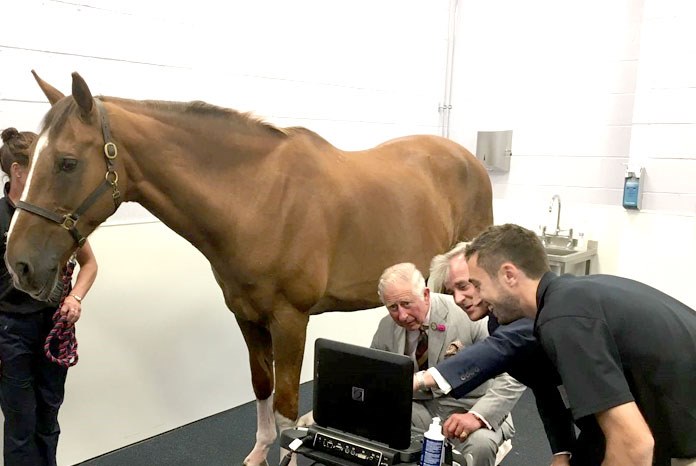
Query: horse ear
x,y
82,94
53,94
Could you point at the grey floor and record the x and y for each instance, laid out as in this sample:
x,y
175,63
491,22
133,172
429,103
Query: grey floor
x,y
226,438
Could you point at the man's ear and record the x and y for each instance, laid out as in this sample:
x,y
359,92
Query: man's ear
x,y
509,274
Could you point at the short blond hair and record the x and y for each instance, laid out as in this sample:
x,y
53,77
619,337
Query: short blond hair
x,y
439,267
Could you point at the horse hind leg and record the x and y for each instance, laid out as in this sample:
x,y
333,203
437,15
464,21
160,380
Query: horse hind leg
x,y
259,344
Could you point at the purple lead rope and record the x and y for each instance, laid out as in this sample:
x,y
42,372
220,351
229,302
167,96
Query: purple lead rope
x,y
65,335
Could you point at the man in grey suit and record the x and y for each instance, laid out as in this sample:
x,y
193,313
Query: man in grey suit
x,y
430,327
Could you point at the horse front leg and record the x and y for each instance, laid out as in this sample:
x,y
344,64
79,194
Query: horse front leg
x,y
289,331
259,344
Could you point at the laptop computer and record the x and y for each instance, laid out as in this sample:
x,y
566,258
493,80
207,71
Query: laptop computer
x,y
364,392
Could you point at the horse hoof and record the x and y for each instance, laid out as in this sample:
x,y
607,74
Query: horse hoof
x,y
263,463
306,420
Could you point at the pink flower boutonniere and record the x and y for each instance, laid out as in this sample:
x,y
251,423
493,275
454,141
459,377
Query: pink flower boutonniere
x,y
438,327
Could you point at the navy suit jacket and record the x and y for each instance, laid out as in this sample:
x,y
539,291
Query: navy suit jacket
x,y
512,348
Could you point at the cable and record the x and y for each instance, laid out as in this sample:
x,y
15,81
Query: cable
x,y
286,459
294,445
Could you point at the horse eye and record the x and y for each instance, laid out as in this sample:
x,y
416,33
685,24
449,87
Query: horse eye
x,y
67,164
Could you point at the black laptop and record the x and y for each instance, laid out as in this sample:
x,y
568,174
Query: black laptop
x,y
363,392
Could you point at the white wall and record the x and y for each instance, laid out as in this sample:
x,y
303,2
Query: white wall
x,y
585,87
157,347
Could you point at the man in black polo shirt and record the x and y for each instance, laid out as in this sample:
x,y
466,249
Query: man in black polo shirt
x,y
626,352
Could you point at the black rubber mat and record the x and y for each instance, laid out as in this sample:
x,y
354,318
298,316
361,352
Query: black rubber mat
x,y
226,438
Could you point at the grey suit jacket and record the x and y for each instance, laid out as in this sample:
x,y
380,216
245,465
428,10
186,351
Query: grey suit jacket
x,y
494,398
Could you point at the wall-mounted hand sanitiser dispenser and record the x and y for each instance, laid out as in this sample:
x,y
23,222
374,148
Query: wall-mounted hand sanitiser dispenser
x,y
494,149
633,187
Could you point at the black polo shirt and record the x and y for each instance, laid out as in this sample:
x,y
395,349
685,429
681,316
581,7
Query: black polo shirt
x,y
615,340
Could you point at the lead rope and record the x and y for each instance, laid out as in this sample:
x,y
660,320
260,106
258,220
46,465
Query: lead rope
x,y
67,342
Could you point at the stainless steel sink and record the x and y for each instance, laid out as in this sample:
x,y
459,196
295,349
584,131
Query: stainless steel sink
x,y
551,251
574,254
561,248
556,242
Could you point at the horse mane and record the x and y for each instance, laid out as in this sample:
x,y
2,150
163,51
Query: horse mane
x,y
59,113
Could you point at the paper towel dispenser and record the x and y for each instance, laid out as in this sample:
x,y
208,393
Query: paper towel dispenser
x,y
494,149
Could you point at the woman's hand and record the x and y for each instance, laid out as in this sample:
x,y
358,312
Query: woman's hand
x,y
71,310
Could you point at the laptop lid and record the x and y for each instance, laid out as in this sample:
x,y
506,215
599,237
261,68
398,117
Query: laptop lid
x,y
363,391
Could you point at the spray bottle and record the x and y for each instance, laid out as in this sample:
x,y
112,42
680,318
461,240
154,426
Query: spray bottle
x,y
433,445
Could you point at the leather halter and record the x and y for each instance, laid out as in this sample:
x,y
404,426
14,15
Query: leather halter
x,y
69,221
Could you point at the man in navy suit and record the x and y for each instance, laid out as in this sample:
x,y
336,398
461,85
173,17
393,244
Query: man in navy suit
x,y
513,349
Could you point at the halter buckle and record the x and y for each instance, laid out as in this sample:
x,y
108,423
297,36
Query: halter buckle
x,y
69,222
110,150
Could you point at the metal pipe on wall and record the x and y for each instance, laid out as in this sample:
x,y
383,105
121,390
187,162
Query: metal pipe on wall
x,y
445,106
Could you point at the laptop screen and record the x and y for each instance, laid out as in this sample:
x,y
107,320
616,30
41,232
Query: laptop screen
x,y
364,392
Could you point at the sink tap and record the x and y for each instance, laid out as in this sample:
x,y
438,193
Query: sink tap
x,y
558,215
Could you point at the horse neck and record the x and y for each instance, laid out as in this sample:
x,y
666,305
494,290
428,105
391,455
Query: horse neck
x,y
193,171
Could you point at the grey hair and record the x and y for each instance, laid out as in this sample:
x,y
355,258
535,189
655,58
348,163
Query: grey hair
x,y
404,272
439,267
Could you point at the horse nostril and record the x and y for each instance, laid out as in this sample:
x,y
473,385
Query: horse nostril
x,y
22,269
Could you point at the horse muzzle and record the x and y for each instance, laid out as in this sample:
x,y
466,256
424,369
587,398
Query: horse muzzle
x,y
36,278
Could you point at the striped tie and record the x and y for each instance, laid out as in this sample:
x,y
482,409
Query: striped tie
x,y
422,350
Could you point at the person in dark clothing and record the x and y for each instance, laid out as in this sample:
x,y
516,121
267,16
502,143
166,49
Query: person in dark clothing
x,y
626,352
513,349
31,386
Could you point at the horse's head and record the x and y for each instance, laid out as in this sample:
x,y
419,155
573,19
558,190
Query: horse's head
x,y
71,188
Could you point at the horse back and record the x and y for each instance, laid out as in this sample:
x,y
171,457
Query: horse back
x,y
325,223
405,200
436,176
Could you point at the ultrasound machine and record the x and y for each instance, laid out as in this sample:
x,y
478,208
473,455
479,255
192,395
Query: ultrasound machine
x,y
362,410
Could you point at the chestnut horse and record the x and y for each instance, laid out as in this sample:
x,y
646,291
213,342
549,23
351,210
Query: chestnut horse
x,y
291,225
